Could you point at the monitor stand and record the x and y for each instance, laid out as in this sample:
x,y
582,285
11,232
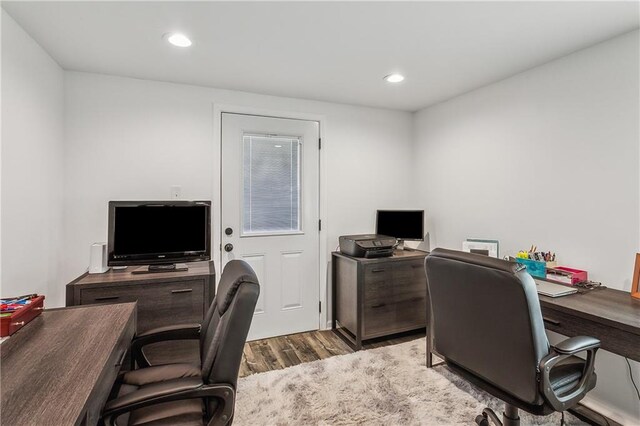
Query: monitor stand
x,y
400,246
154,269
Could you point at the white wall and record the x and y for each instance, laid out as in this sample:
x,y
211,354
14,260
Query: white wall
x,y
133,139
32,166
547,157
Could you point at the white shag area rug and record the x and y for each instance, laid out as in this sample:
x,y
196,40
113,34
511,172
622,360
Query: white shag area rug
x,y
383,386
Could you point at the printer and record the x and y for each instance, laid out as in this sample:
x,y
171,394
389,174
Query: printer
x,y
367,245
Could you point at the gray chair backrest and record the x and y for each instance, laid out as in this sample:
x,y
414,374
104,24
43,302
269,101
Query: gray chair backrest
x,y
487,319
226,325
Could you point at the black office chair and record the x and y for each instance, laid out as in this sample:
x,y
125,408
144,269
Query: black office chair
x,y
186,394
488,327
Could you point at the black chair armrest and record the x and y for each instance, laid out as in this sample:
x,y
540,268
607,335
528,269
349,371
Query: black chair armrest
x,y
161,334
177,331
576,344
561,351
174,390
153,391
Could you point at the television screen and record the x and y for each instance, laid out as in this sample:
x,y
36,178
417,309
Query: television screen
x,y
158,232
401,224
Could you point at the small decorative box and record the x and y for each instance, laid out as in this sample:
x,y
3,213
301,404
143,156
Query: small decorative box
x,y
564,275
534,268
10,322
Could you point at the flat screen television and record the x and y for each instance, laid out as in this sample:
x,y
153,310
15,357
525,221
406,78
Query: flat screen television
x,y
158,232
401,224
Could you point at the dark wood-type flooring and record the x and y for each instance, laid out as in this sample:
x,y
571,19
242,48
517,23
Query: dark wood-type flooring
x,y
285,351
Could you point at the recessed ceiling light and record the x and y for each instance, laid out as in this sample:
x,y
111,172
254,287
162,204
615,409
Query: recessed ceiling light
x,y
178,39
394,78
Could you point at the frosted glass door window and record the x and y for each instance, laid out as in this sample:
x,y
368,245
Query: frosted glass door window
x,y
271,187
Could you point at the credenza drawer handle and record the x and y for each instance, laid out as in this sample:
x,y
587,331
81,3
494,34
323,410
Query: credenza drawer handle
x,y
121,359
97,299
380,305
551,321
378,270
184,290
18,323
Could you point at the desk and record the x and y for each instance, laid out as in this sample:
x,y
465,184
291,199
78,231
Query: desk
x,y
612,316
59,368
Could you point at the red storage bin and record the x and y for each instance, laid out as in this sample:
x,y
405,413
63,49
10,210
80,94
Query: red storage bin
x,y
564,275
11,323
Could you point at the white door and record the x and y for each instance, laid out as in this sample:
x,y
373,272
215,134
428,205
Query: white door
x,y
270,216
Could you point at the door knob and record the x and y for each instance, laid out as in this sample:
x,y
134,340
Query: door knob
x,y
228,231
228,247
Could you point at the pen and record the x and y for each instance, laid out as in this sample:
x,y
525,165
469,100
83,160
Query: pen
x,y
20,298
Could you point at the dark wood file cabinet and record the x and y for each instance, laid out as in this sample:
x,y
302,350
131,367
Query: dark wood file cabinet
x,y
378,297
164,298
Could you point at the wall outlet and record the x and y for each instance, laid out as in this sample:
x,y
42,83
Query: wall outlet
x,y
176,192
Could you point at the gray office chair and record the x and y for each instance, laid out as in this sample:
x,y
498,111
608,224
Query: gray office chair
x,y
488,327
186,394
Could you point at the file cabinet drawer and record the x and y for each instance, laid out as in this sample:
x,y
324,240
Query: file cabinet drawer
x,y
376,274
159,304
379,319
377,282
409,281
395,283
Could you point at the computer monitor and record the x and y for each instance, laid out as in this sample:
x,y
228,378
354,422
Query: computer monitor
x,y
402,224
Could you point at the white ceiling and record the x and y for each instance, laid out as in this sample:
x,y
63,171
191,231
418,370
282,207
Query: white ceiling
x,y
330,51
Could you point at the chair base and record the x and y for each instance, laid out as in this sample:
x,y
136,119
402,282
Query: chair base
x,y
510,417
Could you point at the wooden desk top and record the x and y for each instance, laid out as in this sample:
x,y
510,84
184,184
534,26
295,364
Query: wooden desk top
x,y
196,269
602,305
397,256
52,365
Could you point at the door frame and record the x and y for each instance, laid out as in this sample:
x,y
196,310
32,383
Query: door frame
x,y
216,216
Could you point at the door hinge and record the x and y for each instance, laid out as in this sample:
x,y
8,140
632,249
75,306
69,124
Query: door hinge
x,y
319,143
320,225
320,306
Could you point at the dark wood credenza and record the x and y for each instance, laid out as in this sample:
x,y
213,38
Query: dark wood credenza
x,y
378,297
164,298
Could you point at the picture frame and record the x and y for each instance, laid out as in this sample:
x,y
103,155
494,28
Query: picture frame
x,y
489,248
635,283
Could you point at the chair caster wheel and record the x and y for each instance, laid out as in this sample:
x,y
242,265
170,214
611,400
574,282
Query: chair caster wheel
x,y
481,420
